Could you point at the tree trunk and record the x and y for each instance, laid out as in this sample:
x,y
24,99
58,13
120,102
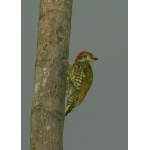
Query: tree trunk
x,y
47,117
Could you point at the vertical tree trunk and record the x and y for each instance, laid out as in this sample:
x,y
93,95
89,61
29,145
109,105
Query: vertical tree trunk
x,y
47,117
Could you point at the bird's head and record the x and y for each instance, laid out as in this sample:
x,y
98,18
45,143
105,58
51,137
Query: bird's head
x,y
85,56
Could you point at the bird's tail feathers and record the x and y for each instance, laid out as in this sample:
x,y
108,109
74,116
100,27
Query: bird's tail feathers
x,y
68,109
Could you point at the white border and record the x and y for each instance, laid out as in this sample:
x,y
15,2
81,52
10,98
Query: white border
x,y
10,75
139,74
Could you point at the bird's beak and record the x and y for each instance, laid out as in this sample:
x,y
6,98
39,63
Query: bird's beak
x,y
95,58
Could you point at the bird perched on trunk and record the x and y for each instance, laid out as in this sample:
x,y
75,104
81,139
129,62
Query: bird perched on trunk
x,y
79,80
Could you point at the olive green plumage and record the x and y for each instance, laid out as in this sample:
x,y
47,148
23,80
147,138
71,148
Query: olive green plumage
x,y
79,80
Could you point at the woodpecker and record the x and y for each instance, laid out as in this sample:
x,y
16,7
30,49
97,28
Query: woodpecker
x,y
79,80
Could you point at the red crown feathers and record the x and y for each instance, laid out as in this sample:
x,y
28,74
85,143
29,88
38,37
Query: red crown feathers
x,y
82,53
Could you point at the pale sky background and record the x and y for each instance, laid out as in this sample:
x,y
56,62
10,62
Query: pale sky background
x,y
101,27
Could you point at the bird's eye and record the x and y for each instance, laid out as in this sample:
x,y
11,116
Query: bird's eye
x,y
84,56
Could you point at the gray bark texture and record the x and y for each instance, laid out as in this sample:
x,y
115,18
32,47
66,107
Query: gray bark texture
x,y
47,116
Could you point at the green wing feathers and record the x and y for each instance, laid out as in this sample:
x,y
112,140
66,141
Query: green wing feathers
x,y
79,80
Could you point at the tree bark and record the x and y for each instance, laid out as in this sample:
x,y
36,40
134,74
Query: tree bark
x,y
47,116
